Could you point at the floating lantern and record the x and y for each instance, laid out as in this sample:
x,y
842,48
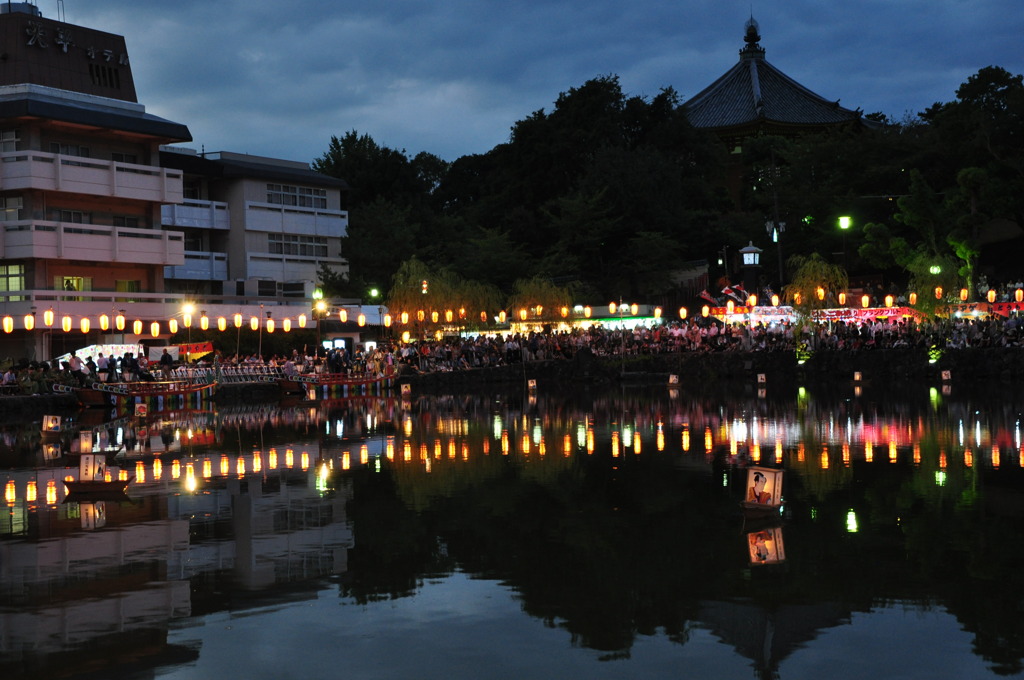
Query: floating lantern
x,y
764,489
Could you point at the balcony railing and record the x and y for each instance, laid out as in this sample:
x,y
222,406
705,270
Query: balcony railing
x,y
24,170
196,214
307,221
100,243
200,266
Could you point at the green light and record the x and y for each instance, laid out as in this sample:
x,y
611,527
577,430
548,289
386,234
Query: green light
x,y
845,221
935,269
851,522
940,478
318,293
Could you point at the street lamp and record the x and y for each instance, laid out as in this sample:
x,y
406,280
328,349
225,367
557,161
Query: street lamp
x,y
844,225
319,310
775,230
187,310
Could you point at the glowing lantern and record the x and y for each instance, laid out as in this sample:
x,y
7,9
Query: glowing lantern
x,y
1019,295
462,312
682,312
483,317
612,308
172,326
502,316
222,324
888,300
938,292
634,308
254,323
448,316
30,321
991,296
238,320
704,311
820,292
286,325
657,312
204,322
154,329
48,319
565,311
842,299
270,325
405,317
65,323
186,320
522,314
752,301
302,320
796,298
137,327
912,298
420,315
84,325
775,300
865,300
104,322
8,324
343,315
539,310
729,307
587,311
387,321
963,295
434,317
361,320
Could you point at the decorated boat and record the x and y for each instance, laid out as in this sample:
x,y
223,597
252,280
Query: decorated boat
x,y
105,394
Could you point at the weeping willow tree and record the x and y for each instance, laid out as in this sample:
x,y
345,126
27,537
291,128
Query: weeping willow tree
x,y
815,283
425,299
542,300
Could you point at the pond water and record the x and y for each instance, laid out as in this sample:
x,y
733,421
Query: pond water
x,y
536,534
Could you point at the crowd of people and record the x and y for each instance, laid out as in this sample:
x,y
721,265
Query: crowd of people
x,y
463,353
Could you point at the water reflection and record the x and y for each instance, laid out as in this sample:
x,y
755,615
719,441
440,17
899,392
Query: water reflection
x,y
613,517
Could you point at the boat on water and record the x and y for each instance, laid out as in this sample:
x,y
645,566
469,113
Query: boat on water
x,y
335,383
92,479
105,394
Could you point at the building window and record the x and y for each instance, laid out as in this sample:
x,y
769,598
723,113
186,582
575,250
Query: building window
x,y
9,140
12,277
69,149
72,284
295,244
105,76
119,157
302,197
192,190
75,217
122,221
10,208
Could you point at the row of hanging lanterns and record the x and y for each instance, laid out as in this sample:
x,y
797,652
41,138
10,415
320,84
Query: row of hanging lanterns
x,y
119,323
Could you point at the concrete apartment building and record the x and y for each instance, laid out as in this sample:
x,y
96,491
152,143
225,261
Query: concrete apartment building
x,y
101,218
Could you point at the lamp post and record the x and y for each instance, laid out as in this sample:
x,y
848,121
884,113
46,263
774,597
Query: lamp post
x,y
319,307
187,310
775,230
844,225
751,255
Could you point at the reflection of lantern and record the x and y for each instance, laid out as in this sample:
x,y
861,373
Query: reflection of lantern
x,y
65,323
172,326
963,295
254,323
766,546
888,300
682,312
912,298
137,327
865,300
704,311
764,488
938,292
84,325
991,296
30,321
154,329
842,299
48,318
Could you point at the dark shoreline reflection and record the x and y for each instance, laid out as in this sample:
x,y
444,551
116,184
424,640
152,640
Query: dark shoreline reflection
x,y
611,515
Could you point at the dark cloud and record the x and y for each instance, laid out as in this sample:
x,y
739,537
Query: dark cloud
x,y
280,78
